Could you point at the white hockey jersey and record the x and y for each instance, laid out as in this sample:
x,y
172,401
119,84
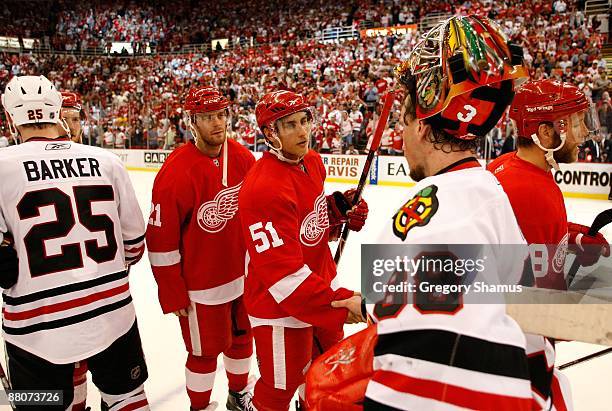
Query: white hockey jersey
x,y
75,219
471,356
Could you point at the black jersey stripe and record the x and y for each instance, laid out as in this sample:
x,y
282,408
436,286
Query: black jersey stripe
x,y
64,289
541,376
75,319
470,353
371,405
134,241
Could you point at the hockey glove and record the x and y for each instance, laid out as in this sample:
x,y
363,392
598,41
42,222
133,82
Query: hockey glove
x,y
337,379
9,263
587,248
340,211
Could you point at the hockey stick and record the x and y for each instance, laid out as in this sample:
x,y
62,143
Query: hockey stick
x,y
380,128
6,385
603,219
586,358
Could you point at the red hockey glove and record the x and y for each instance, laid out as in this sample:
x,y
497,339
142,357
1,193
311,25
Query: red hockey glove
x,y
587,248
359,213
339,210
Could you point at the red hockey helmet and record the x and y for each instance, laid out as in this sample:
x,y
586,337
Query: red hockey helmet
x,y
547,101
205,99
71,99
463,74
279,104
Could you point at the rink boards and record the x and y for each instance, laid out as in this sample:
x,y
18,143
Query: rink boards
x,y
581,180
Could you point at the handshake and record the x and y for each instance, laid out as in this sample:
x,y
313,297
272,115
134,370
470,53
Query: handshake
x,y
355,307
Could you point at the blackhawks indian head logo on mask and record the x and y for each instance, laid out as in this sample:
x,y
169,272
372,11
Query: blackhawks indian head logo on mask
x,y
417,212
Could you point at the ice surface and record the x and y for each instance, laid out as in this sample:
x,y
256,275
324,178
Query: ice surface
x,y
166,355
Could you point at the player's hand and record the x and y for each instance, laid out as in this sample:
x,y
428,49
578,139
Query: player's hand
x,y
358,214
181,313
340,210
353,305
587,248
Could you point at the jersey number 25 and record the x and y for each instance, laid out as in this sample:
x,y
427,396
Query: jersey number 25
x,y
70,258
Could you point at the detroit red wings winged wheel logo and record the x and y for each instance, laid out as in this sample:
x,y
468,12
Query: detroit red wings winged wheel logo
x,y
214,214
315,223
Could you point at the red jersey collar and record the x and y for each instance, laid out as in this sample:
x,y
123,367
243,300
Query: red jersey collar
x,y
530,165
469,162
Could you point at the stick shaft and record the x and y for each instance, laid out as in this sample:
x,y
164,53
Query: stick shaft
x,y
6,385
586,358
380,128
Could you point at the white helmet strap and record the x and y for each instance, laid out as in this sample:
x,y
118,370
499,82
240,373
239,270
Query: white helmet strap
x,y
549,152
278,151
12,127
64,125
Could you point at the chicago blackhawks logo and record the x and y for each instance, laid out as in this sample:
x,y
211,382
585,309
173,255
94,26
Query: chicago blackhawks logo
x,y
214,214
429,89
315,223
417,212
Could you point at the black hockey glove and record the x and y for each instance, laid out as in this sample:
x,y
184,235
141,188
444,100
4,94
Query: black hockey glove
x,y
9,265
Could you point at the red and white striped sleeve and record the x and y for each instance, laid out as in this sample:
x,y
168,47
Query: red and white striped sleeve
x,y
130,216
271,231
171,205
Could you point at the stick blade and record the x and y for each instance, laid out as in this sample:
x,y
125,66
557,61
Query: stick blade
x,y
603,219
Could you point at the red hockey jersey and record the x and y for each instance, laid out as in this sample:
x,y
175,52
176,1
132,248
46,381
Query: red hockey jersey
x,y
539,208
195,247
542,219
283,210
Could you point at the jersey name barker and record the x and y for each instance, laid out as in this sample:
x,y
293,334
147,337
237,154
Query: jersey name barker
x,y
61,168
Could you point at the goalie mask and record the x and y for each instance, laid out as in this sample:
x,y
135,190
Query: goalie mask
x,y
463,72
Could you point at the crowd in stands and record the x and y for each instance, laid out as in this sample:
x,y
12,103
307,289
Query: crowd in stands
x,y
136,101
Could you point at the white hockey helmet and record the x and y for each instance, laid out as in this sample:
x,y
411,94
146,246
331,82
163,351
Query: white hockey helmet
x,y
32,100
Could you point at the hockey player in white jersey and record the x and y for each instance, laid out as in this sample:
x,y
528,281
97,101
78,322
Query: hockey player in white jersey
x,y
70,225
439,351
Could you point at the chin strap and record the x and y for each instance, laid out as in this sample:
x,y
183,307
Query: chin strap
x,y
278,151
549,152
12,127
192,129
62,123
224,160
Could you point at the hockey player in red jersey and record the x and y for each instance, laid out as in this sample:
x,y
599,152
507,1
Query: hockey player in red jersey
x,y
197,252
552,120
287,221
70,225
437,351
72,113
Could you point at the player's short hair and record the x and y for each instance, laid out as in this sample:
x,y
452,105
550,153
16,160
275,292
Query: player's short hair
x,y
524,142
527,141
37,126
440,139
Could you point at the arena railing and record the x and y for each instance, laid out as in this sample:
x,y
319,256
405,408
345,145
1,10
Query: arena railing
x,y
331,34
430,20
